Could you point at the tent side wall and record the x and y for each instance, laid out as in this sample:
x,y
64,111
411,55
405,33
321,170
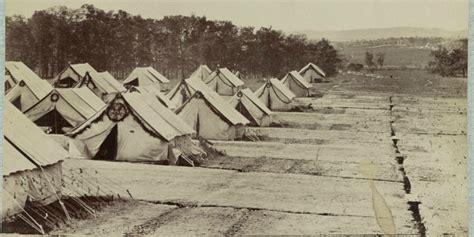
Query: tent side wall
x,y
296,88
276,103
270,97
221,85
312,76
43,188
205,121
133,143
258,115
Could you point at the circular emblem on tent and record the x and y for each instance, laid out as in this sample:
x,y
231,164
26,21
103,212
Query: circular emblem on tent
x,y
22,83
239,94
198,94
117,111
54,97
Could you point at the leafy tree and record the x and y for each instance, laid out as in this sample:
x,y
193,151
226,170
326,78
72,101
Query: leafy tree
x,y
448,63
380,59
118,41
369,60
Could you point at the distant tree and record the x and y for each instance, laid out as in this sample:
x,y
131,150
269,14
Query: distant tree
x,y
118,41
325,56
459,58
369,60
448,63
380,59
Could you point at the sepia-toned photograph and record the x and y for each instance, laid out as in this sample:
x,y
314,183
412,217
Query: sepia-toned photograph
x,y
235,117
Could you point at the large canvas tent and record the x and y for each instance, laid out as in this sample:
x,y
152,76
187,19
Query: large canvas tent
x,y
145,76
312,73
134,127
27,89
202,72
207,113
248,104
32,164
64,109
18,71
275,95
297,84
72,75
154,90
103,84
224,82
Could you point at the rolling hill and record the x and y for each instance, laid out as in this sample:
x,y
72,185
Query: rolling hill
x,y
369,34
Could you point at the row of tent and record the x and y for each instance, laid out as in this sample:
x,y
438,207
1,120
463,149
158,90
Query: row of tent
x,y
104,120
134,120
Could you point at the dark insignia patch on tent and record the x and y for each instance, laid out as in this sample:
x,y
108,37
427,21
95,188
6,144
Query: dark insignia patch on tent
x,y
22,83
117,111
54,97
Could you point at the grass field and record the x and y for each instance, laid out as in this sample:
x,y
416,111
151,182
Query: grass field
x,y
395,56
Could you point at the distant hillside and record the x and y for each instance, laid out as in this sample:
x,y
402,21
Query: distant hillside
x,y
370,34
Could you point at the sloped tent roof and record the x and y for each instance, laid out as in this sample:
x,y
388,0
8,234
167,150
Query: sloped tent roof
x,y
222,108
82,68
79,105
146,76
284,94
202,72
250,101
231,79
313,67
294,75
104,81
24,135
20,72
151,113
154,90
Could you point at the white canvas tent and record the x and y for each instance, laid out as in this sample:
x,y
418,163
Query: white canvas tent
x,y
275,95
202,72
18,71
103,84
312,73
31,164
28,88
134,127
154,90
64,109
145,76
224,82
72,75
248,104
297,84
207,113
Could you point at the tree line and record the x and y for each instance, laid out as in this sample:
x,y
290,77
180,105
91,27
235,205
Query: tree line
x,y
175,45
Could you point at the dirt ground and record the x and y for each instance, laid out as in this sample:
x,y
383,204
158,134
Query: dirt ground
x,y
363,161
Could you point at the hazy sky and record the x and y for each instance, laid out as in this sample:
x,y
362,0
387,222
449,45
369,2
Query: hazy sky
x,y
287,15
